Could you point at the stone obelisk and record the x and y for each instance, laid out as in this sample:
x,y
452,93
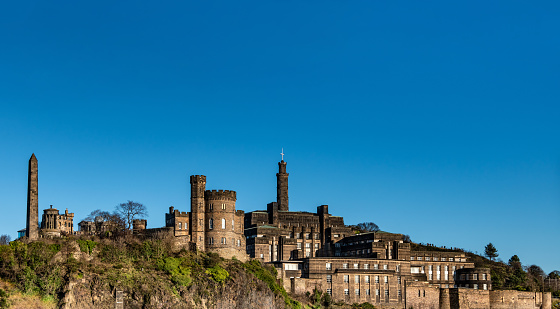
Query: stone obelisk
x,y
32,226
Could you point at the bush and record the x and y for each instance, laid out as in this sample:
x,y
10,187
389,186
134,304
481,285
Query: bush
x,y
180,274
4,302
86,246
219,274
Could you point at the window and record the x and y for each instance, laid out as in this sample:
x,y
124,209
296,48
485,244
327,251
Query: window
x,y
329,291
211,206
346,279
475,286
298,235
386,279
435,258
375,266
357,291
211,224
412,258
356,266
211,240
424,292
475,276
307,236
399,279
223,240
179,225
376,279
376,292
398,268
483,276
232,226
438,276
430,277
316,236
419,293
431,267
419,258
336,235
366,266
239,243
399,293
439,268
223,224
316,246
367,291
223,206
427,258
262,255
356,279
443,259
450,259
307,245
299,246
329,266
367,279
386,293
446,268
346,292
345,266
307,254
484,286
329,278
385,267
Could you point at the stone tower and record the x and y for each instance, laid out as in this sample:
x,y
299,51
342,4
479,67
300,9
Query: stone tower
x,y
198,186
32,224
282,187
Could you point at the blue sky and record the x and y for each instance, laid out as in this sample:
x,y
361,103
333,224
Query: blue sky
x,y
434,119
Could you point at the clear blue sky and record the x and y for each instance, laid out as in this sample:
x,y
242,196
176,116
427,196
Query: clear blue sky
x,y
435,119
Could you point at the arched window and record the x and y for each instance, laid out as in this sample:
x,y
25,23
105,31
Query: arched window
x,y
179,225
223,224
211,240
211,224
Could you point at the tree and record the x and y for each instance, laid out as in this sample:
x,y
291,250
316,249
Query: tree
x,y
490,251
367,227
514,262
130,211
406,238
554,275
115,220
5,239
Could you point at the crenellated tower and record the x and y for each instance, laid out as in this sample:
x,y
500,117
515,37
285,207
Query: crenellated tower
x,y
198,186
32,224
282,187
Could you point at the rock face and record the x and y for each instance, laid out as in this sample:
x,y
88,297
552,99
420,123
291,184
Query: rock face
x,y
245,291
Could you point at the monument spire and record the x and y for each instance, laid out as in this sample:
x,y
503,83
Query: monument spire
x,y
32,224
282,185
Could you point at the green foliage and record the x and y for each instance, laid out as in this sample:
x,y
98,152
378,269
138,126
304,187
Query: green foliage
x,y
269,275
176,267
4,302
219,274
86,246
490,251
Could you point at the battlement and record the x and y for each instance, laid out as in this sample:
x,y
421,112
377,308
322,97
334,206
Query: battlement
x,y
198,178
220,195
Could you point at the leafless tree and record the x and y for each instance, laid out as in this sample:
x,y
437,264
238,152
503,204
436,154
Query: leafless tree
x,y
130,211
5,239
115,219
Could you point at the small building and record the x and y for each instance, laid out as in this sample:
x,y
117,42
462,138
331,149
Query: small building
x,y
55,224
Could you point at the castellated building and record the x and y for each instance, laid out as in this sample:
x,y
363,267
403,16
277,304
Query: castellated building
x,y
213,224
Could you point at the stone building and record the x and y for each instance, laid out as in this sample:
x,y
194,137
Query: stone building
x,y
54,224
213,224
277,233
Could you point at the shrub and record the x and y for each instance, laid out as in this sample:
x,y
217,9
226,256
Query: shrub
x,y
4,302
86,246
219,274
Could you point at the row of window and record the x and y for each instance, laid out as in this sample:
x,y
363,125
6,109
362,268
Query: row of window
x,y
367,292
306,235
364,266
308,246
210,225
224,241
427,258
211,206
366,279
473,277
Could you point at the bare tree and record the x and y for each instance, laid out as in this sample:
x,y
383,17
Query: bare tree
x,y
130,211
5,239
115,221
367,227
